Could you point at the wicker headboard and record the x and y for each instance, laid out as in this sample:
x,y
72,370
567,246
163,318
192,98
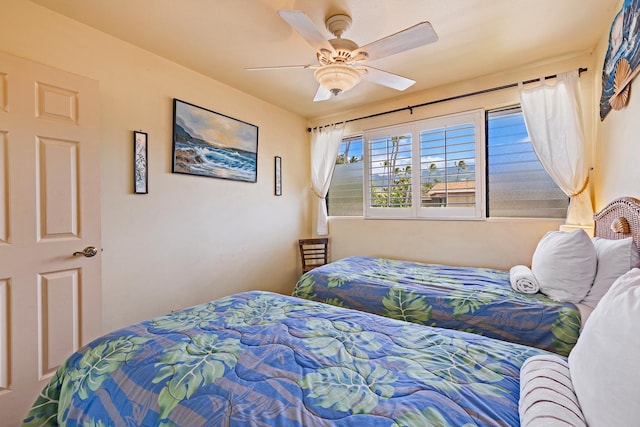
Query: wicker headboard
x,y
619,219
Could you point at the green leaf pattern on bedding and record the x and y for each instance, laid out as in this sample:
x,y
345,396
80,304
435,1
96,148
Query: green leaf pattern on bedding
x,y
443,364
401,303
565,331
447,371
187,366
260,311
87,375
427,417
357,383
96,365
305,287
183,321
356,389
335,302
337,339
468,302
339,280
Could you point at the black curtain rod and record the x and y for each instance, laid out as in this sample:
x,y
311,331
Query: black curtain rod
x,y
451,98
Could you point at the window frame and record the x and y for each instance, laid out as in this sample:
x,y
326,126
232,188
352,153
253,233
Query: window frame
x,y
482,173
416,211
375,212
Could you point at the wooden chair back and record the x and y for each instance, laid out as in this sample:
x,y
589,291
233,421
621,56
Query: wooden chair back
x,y
313,252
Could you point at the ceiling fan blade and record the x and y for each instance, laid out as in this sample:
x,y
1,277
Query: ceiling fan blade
x,y
418,35
279,67
322,94
387,79
303,25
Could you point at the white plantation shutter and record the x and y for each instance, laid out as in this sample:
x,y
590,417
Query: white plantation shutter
x,y
448,157
390,171
427,169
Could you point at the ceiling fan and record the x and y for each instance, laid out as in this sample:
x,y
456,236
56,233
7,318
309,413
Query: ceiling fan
x,y
342,63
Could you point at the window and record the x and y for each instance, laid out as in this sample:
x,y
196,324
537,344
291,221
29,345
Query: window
x,y
426,169
448,164
390,170
451,165
345,192
518,185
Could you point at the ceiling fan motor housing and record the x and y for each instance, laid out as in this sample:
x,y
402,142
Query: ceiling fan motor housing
x,y
338,24
343,49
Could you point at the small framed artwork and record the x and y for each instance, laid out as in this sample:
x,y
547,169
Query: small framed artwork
x,y
278,176
140,174
210,144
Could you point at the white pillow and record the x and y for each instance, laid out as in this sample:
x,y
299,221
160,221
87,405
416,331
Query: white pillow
x,y
564,265
615,257
604,363
547,397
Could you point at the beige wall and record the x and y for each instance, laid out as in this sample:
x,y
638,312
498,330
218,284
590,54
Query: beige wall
x,y
498,243
191,238
617,151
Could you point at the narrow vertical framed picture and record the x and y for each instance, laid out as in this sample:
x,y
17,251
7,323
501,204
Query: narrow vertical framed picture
x,y
278,176
140,165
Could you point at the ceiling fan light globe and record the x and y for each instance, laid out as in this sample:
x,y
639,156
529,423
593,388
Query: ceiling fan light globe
x,y
337,78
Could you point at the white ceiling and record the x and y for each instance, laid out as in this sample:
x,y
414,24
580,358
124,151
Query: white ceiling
x,y
220,38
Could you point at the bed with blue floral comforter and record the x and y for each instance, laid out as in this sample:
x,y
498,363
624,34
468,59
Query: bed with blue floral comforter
x,y
478,300
264,359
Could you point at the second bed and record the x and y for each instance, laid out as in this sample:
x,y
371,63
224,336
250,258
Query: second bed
x,y
478,300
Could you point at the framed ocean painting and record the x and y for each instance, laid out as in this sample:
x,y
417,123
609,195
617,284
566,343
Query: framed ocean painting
x,y
210,144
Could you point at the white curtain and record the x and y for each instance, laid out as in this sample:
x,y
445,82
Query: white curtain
x,y
554,121
325,143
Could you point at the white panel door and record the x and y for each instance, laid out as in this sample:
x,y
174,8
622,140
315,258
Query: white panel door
x,y
50,299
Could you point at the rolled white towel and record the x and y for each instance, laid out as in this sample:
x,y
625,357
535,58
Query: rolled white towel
x,y
523,280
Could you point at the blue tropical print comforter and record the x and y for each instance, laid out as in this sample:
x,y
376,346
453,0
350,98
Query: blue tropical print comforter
x,y
264,359
478,300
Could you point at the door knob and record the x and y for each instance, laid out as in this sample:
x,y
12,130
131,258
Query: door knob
x,y
89,251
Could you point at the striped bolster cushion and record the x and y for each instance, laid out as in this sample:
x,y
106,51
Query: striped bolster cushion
x,y
547,397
